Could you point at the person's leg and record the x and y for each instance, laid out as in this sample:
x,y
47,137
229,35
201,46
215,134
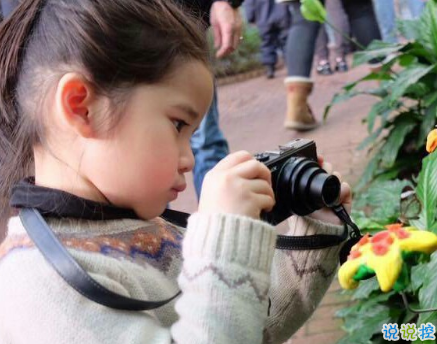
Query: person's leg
x,y
301,42
208,144
416,7
322,53
362,20
7,6
386,16
269,58
338,18
300,48
282,40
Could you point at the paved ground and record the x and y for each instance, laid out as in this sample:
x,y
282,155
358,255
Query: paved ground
x,y
252,113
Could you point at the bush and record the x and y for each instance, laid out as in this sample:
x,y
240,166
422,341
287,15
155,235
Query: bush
x,y
407,98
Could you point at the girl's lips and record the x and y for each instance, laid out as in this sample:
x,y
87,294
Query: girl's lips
x,y
180,188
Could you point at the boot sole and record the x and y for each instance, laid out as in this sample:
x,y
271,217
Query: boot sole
x,y
299,126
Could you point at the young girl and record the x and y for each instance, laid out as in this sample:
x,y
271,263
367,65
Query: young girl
x,y
98,102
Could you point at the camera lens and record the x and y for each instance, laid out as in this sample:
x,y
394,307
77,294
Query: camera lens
x,y
302,187
325,189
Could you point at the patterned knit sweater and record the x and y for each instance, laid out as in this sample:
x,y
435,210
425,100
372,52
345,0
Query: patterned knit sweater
x,y
236,288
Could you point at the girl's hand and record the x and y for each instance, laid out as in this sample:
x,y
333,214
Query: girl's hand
x,y
326,214
238,184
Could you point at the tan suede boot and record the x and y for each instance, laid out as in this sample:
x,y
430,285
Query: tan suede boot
x,y
299,115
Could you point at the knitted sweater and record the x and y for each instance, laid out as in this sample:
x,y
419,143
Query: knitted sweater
x,y
227,269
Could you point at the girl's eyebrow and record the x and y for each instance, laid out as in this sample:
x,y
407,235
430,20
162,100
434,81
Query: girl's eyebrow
x,y
188,110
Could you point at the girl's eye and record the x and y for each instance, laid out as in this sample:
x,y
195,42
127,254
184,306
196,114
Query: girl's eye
x,y
179,124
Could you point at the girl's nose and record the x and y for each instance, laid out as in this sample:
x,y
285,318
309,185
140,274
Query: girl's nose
x,y
186,162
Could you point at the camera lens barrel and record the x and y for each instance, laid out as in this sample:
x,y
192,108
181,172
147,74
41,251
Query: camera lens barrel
x,y
303,187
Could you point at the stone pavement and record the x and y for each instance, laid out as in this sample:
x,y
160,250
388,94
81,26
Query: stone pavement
x,y
252,113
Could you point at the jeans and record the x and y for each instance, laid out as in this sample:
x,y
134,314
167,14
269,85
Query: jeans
x,y
273,37
7,6
416,7
208,144
303,34
385,13
338,18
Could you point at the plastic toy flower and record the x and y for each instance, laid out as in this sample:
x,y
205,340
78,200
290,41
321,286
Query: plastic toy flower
x,y
431,141
384,255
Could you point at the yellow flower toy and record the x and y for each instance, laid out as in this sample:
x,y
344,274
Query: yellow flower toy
x,y
383,255
431,141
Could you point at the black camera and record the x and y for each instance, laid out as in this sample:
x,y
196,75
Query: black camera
x,y
300,185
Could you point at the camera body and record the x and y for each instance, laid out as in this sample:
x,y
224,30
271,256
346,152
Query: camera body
x,y
300,185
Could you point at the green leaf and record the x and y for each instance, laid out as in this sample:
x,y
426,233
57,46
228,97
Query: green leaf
x,y
428,294
428,121
367,323
429,99
410,29
427,193
366,288
430,20
338,98
376,49
394,141
417,275
381,201
378,109
370,139
417,91
407,77
407,59
369,172
313,10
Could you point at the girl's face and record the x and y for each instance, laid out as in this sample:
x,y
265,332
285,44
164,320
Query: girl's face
x,y
141,164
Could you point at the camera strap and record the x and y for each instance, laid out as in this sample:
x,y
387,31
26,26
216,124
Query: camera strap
x,y
310,242
72,273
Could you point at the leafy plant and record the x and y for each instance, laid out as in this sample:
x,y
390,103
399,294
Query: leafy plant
x,y
406,94
378,206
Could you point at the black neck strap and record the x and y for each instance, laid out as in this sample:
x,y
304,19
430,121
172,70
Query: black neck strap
x,y
65,265
72,273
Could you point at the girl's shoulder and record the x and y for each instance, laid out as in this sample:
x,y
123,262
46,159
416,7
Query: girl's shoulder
x,y
141,259
128,239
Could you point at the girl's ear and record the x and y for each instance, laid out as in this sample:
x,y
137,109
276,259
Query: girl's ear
x,y
74,102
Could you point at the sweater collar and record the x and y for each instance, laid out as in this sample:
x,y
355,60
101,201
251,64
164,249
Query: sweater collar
x,y
56,203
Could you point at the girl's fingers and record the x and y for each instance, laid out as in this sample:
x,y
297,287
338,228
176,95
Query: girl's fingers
x,y
346,195
338,175
327,167
233,160
265,202
259,186
320,160
253,169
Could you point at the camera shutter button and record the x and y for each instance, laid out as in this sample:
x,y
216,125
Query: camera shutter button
x,y
261,157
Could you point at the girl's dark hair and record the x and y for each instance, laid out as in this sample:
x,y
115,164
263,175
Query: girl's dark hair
x,y
116,44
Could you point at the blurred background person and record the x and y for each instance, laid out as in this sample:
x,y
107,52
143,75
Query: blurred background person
x,y
415,7
273,21
386,16
300,48
7,6
331,41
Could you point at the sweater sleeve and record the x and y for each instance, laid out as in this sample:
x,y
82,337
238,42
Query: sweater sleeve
x,y
299,280
224,280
